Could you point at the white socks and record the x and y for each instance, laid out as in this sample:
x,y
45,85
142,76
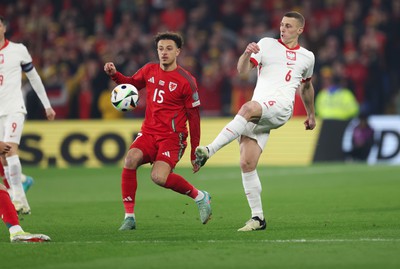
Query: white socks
x,y
199,196
14,177
252,188
230,132
15,229
7,173
127,215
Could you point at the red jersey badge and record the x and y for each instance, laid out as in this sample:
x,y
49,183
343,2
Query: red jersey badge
x,y
172,86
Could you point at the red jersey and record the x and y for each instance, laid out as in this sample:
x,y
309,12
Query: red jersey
x,y
172,99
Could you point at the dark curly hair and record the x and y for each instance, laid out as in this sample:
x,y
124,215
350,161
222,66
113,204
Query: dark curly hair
x,y
177,38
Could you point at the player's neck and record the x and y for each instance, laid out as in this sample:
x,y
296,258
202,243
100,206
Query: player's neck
x,y
2,42
169,67
292,44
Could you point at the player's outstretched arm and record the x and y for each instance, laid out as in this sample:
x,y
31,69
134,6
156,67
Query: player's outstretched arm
x,y
38,87
110,69
193,115
307,95
244,64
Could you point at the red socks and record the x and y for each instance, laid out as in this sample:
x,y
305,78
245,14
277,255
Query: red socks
x,y
128,187
177,183
174,182
5,182
7,210
3,176
1,170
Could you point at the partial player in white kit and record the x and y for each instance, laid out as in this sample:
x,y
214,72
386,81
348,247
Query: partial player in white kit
x,y
15,58
283,66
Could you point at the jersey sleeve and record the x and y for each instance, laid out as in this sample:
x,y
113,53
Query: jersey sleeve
x,y
26,59
255,58
191,92
193,115
138,79
309,71
25,56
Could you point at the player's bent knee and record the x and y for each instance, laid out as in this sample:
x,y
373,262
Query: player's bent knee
x,y
2,187
247,166
250,110
159,180
131,162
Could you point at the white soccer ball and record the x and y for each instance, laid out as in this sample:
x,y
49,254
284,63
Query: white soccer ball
x,y
125,97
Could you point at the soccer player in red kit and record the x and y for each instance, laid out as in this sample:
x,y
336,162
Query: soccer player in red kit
x,y
9,215
172,101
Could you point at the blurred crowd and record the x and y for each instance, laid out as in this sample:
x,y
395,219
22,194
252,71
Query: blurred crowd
x,y
356,44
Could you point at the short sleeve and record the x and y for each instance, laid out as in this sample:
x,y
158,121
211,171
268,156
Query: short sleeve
x,y
310,70
256,58
25,56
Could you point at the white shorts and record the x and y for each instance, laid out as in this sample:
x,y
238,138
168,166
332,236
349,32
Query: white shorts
x,y
275,113
11,127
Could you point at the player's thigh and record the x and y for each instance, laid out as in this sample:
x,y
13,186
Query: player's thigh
x,y
256,133
160,172
133,158
12,126
275,113
250,152
251,111
142,150
171,149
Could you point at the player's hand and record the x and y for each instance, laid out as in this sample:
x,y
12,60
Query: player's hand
x,y
110,69
196,167
4,148
310,123
50,113
252,48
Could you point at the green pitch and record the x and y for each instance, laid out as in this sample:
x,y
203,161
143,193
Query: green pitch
x,y
323,216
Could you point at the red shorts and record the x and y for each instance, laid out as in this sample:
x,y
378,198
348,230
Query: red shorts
x,y
169,149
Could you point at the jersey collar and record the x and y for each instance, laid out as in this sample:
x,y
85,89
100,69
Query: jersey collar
x,y
295,48
5,44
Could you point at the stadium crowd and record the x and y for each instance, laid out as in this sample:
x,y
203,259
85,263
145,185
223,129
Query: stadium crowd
x,y
357,41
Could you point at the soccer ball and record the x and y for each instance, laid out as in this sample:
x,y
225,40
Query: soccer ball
x,y
125,97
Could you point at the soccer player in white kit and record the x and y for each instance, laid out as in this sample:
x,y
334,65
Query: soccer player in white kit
x,y
15,58
283,66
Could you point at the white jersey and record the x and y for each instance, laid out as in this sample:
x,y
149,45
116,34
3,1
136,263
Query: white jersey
x,y
280,69
15,58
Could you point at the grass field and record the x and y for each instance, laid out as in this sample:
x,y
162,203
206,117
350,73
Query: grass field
x,y
323,216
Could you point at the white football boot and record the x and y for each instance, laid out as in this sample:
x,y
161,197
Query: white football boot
x,y
254,224
24,237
